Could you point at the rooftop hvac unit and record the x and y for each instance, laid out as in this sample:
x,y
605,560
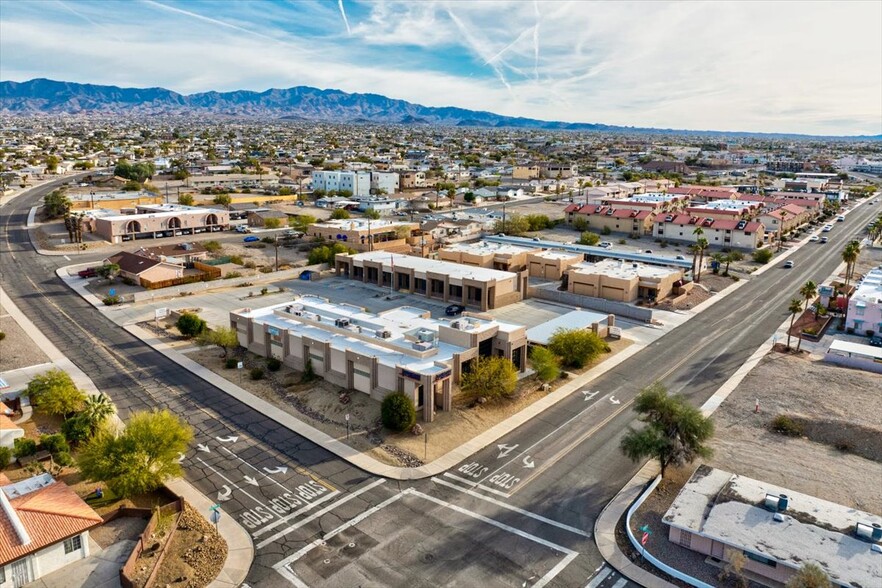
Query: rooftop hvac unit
x,y
426,335
384,334
776,502
609,212
422,345
341,322
455,325
869,531
778,517
708,222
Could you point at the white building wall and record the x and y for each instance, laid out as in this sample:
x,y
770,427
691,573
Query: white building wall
x,y
388,181
49,559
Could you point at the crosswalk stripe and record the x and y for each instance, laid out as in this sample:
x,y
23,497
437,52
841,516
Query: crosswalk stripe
x,y
600,577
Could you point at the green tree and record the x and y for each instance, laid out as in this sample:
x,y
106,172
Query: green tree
x,y
340,214
139,458
186,200
138,172
589,238
224,337
5,457
810,575
576,347
222,200
325,254
763,256
96,410
490,377
52,163
580,223
545,363
397,412
301,222
794,309
54,392
190,325
731,257
56,203
537,222
272,223
514,224
108,271
372,214
675,431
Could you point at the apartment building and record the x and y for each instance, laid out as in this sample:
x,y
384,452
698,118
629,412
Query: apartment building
x,y
385,182
622,281
618,220
412,179
528,171
365,234
232,181
358,183
865,305
739,234
157,221
656,202
476,287
785,218
777,530
725,209
399,350
706,193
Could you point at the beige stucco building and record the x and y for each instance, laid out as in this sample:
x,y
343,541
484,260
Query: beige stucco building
x,y
400,350
622,281
366,235
499,256
477,287
551,264
111,200
160,220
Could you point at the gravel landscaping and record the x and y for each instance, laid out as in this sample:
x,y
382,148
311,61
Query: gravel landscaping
x,y
17,349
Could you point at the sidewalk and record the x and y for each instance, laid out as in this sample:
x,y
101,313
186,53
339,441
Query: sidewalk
x,y
607,522
240,548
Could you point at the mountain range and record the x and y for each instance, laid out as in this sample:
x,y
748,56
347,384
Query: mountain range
x,y
42,96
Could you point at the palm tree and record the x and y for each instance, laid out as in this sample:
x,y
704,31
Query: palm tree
x,y
795,308
730,257
96,410
702,246
695,250
809,290
849,256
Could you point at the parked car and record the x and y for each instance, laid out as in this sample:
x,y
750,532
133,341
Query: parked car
x,y
824,239
876,340
242,229
454,309
605,244
840,219
294,234
251,239
815,238
89,272
827,228
649,251
680,258
788,264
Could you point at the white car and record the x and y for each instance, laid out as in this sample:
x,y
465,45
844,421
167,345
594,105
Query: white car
x,y
814,239
605,244
827,228
840,219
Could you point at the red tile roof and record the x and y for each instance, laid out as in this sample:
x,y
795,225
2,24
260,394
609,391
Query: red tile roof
x,y
49,515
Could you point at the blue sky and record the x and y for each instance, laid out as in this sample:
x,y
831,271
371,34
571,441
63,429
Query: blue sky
x,y
810,67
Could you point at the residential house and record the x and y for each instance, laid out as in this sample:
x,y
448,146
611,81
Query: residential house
x,y
44,526
366,234
527,171
9,431
185,254
137,267
412,179
258,218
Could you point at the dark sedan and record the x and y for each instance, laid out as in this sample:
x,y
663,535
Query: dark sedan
x,y
454,309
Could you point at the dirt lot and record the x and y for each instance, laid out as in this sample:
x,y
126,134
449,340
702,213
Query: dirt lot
x,y
17,350
319,405
844,406
195,555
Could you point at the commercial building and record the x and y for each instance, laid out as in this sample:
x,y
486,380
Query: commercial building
x,y
44,526
720,514
159,220
366,234
740,234
551,264
232,181
706,193
400,350
622,281
656,202
111,200
440,280
865,305
499,256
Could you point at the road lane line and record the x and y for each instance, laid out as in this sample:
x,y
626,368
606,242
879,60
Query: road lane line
x,y
512,508
620,583
316,515
549,576
477,485
299,469
232,484
296,513
600,577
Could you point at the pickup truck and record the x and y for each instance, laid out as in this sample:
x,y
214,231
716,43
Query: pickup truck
x,y
89,272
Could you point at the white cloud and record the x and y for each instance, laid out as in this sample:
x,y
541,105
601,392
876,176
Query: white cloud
x,y
812,67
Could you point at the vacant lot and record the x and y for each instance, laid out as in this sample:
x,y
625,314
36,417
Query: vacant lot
x,y
839,405
17,350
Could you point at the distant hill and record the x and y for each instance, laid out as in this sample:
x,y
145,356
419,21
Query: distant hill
x,y
301,103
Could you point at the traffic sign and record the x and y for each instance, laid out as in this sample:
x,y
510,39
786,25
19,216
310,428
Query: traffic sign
x,y
644,539
215,516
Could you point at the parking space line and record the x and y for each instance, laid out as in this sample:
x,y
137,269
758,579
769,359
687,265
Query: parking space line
x,y
316,515
513,508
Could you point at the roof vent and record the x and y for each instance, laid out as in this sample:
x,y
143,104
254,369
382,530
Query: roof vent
x,y
778,517
776,502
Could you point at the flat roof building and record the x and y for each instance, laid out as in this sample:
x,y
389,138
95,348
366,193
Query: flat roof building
x,y
500,256
402,349
111,200
365,234
152,221
622,281
477,287
718,513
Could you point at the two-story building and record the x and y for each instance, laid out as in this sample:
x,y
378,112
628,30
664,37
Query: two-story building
x,y
738,234
865,305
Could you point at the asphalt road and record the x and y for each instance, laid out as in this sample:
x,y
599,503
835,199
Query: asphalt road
x,y
318,521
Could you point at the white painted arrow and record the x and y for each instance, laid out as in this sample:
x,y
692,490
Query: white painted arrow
x,y
181,457
224,494
278,470
505,450
252,481
614,401
204,448
589,394
230,439
529,463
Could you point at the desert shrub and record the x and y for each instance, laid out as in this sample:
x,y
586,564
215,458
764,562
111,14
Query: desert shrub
x,y
232,275
2,335
605,231
54,444
237,259
308,372
76,430
231,363
23,447
589,238
622,241
190,325
63,458
5,457
250,264
273,364
785,425
398,412
111,300
256,373
212,246
762,255
843,445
